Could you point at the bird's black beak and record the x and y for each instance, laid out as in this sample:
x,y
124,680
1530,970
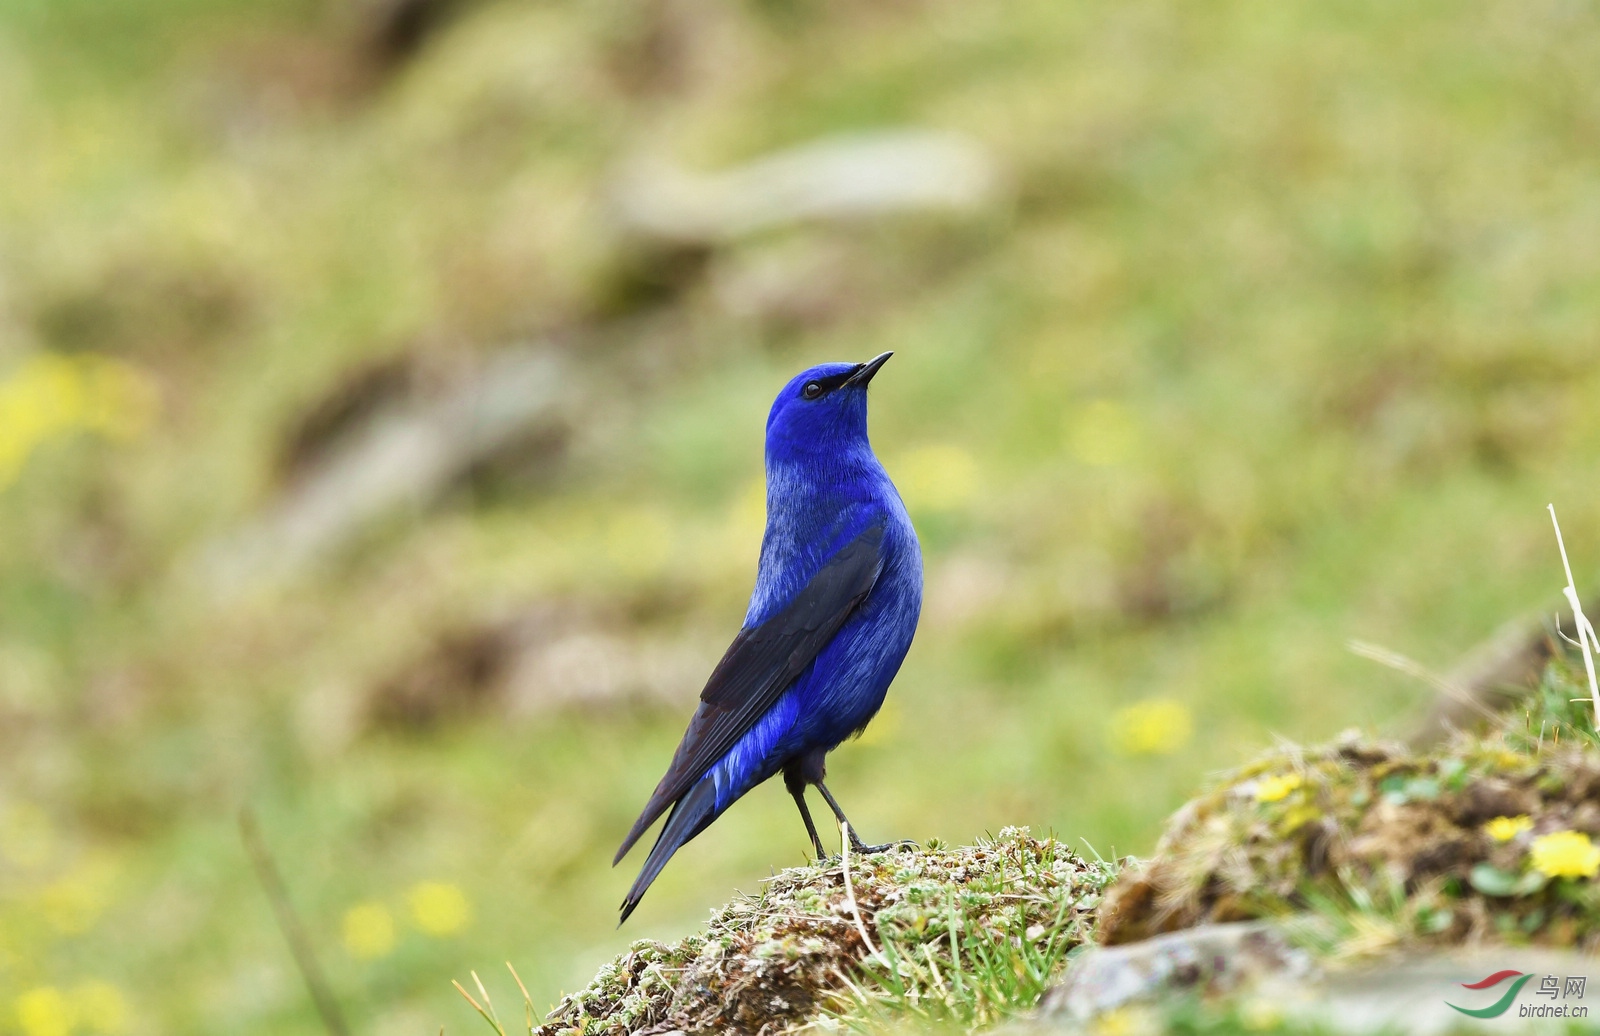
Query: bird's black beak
x,y
865,372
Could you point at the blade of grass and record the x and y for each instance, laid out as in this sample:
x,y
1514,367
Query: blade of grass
x,y
526,999
294,933
850,895
955,957
487,1017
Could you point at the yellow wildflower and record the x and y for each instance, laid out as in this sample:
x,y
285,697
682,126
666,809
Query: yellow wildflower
x,y
1504,829
1298,817
1507,760
1565,854
368,931
75,901
1257,1014
937,478
1160,726
439,908
44,1012
1276,789
1103,433
1127,1021
101,1007
51,395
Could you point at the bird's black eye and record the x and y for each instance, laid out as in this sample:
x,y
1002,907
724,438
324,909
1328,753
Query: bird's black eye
x,y
812,389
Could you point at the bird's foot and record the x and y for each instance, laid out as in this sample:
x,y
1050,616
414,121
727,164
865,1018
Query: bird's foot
x,y
859,848
863,849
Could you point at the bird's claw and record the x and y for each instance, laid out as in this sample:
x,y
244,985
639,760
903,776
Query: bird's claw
x,y
886,847
860,848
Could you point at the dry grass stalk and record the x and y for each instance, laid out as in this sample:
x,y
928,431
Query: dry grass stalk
x,y
1586,634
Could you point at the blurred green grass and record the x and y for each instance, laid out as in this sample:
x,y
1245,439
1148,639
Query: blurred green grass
x,y
1286,334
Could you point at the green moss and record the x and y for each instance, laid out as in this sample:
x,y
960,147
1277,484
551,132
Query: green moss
x,y
1388,845
971,934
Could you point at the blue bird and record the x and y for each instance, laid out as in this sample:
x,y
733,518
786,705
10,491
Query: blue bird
x,y
835,606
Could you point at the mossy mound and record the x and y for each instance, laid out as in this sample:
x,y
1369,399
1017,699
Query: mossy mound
x,y
984,922
1489,836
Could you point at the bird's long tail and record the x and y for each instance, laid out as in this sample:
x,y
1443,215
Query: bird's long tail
x,y
689,817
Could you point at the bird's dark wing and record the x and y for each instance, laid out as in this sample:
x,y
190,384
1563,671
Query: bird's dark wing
x,y
760,665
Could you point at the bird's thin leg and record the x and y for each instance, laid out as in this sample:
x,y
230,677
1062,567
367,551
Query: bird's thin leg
x,y
856,844
794,779
811,828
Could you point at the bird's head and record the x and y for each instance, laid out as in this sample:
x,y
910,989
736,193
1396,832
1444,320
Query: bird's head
x,y
822,409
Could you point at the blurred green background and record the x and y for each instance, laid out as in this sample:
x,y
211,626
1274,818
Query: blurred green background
x,y
381,395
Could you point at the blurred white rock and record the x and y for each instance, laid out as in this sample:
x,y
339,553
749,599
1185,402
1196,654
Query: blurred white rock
x,y
843,178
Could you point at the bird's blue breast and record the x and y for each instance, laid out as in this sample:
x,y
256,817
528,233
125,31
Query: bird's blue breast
x,y
813,510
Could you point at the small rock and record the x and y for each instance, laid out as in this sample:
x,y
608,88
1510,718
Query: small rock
x,y
1210,959
1255,967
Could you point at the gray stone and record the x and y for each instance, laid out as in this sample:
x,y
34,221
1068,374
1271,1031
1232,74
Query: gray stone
x,y
1256,966
1210,960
